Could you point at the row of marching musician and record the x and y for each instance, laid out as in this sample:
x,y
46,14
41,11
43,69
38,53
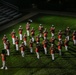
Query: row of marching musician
x,y
43,33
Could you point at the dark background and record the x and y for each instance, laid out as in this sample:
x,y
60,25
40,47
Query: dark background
x,y
57,5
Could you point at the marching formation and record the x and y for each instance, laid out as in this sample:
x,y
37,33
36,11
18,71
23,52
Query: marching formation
x,y
40,39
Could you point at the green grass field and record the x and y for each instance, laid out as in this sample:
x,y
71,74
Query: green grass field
x,y
30,65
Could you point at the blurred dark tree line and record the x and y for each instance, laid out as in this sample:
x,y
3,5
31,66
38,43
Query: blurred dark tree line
x,y
62,5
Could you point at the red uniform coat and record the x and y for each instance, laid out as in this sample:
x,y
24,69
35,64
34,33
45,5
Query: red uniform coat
x,y
4,39
52,29
20,31
37,50
3,57
59,46
13,34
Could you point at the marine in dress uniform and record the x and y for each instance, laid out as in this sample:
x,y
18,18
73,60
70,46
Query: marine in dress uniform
x,y
60,35
52,50
67,33
33,34
4,41
40,28
45,46
17,43
37,51
22,49
20,32
66,41
3,56
74,37
59,47
13,34
8,47
45,34
52,30
25,39
52,40
37,39
28,28
31,45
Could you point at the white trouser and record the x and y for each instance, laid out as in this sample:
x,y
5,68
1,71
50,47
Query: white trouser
x,y
59,39
40,35
52,56
8,53
74,42
37,42
45,50
45,38
67,37
13,40
31,49
3,65
28,33
52,34
25,43
52,44
59,51
22,53
20,36
37,53
17,48
33,39
4,45
66,48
